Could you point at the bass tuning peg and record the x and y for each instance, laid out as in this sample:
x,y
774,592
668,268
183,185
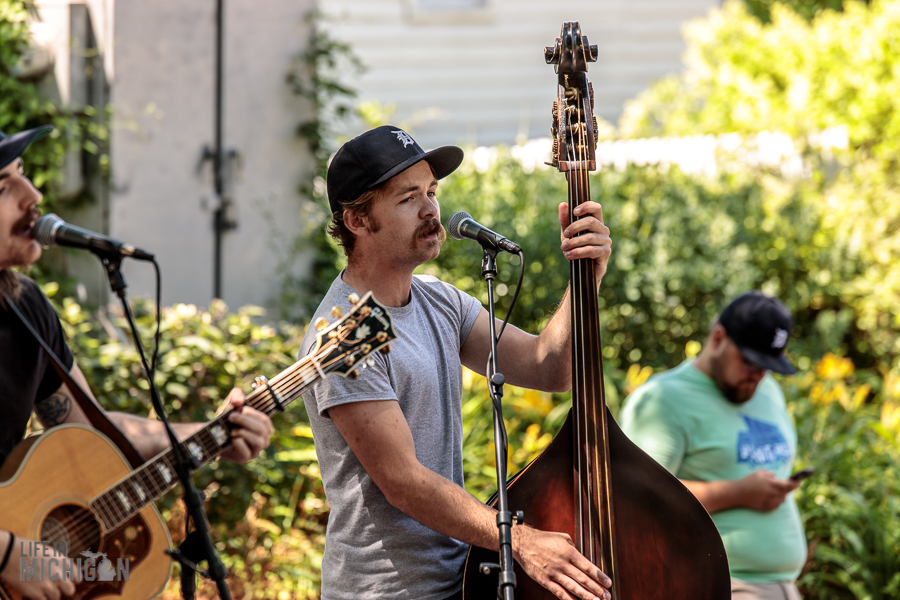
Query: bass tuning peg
x,y
337,312
321,323
353,298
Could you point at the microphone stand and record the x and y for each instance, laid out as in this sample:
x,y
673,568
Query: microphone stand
x,y
198,545
507,581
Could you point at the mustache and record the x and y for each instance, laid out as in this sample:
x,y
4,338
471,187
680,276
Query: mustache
x,y
431,226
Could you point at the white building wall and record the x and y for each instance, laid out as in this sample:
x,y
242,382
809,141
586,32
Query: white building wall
x,y
472,71
162,94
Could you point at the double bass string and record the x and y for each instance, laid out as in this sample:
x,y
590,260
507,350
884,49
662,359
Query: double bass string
x,y
595,526
567,136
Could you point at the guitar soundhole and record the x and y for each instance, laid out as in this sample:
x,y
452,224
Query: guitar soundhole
x,y
73,525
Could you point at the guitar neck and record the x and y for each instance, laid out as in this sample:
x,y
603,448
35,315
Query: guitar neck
x,y
129,496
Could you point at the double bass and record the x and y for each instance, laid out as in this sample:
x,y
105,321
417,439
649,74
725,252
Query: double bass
x,y
624,512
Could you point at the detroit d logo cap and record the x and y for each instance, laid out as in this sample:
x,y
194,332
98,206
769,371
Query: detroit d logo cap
x,y
368,160
759,326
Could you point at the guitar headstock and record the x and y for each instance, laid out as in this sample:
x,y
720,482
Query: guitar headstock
x,y
574,125
345,346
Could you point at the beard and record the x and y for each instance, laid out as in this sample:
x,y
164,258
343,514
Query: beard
x,y
736,393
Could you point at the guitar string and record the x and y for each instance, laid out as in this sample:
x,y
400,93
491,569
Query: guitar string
x,y
83,523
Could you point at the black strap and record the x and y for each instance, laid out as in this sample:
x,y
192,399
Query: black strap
x,y
93,412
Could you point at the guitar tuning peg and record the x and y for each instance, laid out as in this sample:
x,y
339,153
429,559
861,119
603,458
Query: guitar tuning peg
x,y
353,298
381,336
321,323
370,362
352,375
349,361
337,312
384,349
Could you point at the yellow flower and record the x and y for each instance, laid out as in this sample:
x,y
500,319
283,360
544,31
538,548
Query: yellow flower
x,y
636,376
817,394
692,349
833,366
890,417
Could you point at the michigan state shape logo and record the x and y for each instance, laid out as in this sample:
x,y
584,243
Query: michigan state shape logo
x,y
762,444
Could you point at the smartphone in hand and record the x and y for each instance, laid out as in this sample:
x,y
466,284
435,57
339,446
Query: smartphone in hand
x,y
802,474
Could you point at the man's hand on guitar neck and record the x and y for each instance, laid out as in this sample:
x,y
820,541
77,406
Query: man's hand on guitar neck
x,y
253,432
33,590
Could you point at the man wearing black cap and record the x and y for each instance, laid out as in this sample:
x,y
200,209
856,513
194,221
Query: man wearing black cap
x,y
719,423
28,381
390,442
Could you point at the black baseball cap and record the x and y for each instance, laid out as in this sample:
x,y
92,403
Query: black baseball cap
x,y
759,326
12,146
370,159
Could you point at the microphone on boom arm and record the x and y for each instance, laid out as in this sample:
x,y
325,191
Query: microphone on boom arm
x,y
462,225
50,230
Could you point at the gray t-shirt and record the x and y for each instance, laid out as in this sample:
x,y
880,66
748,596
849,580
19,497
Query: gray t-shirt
x,y
373,550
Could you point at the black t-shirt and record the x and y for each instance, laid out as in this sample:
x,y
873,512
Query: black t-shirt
x,y
26,373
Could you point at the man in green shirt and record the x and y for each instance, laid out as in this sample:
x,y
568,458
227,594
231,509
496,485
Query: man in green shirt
x,y
720,425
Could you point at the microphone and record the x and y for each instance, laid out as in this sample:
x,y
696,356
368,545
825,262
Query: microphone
x,y
462,225
50,230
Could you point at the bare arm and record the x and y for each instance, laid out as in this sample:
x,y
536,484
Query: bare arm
x,y
544,362
759,491
379,436
149,436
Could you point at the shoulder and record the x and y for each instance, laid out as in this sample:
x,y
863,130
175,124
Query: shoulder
x,y
771,391
661,387
441,291
660,397
32,299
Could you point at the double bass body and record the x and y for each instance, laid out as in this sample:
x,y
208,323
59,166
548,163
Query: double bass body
x,y
623,511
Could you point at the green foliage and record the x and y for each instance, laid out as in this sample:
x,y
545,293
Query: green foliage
x,y
803,78
762,9
682,247
21,107
850,506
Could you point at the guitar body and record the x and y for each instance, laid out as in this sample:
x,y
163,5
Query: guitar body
x,y
665,525
46,485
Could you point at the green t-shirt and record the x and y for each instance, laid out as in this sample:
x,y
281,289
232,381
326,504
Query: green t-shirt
x,y
682,420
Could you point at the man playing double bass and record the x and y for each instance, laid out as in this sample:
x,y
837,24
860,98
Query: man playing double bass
x,y
390,442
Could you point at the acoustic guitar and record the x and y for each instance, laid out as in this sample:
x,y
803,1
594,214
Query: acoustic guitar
x,y
72,488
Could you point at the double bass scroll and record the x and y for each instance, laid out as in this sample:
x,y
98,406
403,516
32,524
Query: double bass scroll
x,y
623,511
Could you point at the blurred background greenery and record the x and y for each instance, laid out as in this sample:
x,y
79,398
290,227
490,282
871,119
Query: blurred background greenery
x,y
825,240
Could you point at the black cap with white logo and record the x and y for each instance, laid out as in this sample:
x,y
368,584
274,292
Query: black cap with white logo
x,y
759,326
370,159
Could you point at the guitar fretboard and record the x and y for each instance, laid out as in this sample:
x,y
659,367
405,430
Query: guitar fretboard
x,y
148,483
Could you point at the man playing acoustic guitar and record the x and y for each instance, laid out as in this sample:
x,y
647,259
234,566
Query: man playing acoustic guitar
x,y
28,381
390,443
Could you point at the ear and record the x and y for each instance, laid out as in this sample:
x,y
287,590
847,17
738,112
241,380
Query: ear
x,y
357,224
717,337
